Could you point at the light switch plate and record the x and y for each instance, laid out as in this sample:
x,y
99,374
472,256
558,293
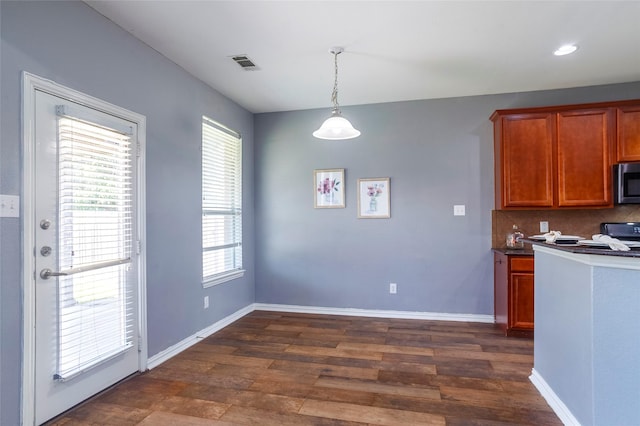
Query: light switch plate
x,y
9,205
459,210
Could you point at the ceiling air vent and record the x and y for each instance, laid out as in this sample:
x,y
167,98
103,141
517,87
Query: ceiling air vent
x,y
244,62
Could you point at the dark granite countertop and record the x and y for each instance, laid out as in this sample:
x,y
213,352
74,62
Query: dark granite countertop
x,y
526,251
574,248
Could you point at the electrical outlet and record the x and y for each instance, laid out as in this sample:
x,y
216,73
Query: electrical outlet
x,y
544,226
206,302
393,288
459,210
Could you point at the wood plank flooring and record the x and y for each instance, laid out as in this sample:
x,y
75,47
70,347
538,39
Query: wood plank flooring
x,y
272,368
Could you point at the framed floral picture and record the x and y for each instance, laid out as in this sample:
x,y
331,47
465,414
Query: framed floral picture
x,y
374,198
328,188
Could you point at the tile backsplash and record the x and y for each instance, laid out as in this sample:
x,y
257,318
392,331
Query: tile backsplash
x,y
584,223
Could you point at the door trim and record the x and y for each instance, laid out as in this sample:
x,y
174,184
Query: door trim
x,y
30,84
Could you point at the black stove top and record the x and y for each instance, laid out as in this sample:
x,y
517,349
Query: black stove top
x,y
629,231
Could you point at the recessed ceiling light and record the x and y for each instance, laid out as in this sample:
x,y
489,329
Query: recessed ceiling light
x,y
565,50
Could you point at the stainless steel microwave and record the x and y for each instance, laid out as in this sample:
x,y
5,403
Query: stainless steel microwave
x,y
627,183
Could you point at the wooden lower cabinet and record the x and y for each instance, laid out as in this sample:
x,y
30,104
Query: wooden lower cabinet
x,y
513,293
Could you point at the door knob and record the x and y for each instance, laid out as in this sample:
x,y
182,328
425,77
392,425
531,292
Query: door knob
x,y
47,273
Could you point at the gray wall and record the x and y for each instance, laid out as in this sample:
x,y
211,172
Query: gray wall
x,y
563,351
437,153
587,341
70,43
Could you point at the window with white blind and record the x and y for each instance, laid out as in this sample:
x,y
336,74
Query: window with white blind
x,y
221,203
95,293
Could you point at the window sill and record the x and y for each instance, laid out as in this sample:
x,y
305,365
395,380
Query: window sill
x,y
223,278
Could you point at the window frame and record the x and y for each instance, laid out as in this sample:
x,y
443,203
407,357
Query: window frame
x,y
234,273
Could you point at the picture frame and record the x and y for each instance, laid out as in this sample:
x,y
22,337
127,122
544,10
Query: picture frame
x,y
374,198
328,189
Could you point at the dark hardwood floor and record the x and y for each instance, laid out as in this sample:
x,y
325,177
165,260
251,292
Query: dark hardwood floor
x,y
273,368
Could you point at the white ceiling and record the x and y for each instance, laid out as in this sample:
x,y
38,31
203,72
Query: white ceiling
x,y
394,50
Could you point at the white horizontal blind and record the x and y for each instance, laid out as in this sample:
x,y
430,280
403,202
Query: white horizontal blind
x,y
221,201
95,298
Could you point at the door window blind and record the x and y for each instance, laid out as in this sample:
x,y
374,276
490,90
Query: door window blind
x,y
221,202
95,297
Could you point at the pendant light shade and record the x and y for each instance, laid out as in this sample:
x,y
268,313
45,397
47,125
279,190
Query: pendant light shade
x,y
336,127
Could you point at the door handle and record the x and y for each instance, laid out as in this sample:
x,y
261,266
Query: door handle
x,y
47,273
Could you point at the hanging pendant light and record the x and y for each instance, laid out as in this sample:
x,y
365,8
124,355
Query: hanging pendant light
x,y
336,127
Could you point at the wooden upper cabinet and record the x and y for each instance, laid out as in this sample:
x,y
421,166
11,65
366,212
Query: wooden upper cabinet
x,y
585,138
561,156
524,160
628,134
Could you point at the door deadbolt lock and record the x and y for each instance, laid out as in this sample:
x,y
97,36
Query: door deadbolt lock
x,y
45,223
45,251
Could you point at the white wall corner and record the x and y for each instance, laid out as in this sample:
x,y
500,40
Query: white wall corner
x,y
184,344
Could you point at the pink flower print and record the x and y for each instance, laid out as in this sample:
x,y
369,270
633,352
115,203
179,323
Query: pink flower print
x,y
374,190
371,192
327,186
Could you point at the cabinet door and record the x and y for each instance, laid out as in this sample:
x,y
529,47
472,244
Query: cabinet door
x,y
500,289
521,309
526,150
628,137
584,166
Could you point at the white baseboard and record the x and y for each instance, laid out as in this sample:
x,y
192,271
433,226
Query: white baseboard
x,y
376,313
174,350
556,404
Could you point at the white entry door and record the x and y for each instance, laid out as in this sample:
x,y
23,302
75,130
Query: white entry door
x,y
86,253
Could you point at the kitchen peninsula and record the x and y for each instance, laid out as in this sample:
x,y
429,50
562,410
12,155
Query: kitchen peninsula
x,y
587,344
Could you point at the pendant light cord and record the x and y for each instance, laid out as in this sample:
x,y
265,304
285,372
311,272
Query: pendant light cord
x,y
334,94
336,127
